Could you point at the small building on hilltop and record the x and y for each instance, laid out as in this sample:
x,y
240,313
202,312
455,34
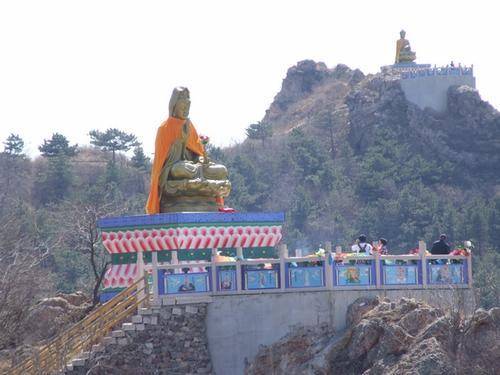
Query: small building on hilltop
x,y
424,85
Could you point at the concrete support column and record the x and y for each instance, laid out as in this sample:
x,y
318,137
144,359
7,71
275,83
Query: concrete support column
x,y
213,270
378,270
239,256
329,261
156,294
422,248
283,250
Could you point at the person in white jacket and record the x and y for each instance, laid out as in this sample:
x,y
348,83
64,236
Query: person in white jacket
x,y
361,247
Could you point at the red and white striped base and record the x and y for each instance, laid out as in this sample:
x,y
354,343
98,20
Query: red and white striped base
x,y
189,238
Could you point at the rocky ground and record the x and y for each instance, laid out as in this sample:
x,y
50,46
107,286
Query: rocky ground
x,y
45,320
384,337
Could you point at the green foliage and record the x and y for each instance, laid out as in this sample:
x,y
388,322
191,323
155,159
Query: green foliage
x,y
53,183
140,160
58,145
13,145
260,131
113,140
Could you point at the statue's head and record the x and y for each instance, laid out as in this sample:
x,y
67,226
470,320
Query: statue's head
x,y
402,34
179,103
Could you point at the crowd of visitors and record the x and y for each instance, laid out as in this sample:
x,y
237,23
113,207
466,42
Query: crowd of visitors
x,y
363,247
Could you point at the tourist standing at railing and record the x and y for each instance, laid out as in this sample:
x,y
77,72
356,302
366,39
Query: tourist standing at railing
x,y
381,247
361,247
440,247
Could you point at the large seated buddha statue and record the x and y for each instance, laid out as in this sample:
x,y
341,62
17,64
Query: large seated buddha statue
x,y
183,178
404,54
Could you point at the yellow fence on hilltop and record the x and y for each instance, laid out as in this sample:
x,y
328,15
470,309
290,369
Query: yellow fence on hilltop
x,y
54,356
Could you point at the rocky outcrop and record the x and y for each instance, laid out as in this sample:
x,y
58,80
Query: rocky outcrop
x,y
49,316
384,337
307,85
361,109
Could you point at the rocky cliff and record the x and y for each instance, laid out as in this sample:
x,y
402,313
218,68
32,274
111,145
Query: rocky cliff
x,y
349,149
384,337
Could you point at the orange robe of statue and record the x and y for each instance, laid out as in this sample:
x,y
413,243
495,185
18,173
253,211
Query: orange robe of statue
x,y
168,133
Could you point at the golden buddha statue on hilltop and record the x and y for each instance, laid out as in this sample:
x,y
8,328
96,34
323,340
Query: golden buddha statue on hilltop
x,y
182,177
404,54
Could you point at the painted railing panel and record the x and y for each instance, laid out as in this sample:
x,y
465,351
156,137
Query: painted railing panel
x,y
439,71
331,271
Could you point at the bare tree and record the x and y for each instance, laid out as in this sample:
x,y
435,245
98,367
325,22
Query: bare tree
x,y
22,281
78,231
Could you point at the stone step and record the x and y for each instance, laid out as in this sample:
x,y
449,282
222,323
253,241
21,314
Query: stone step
x,y
145,311
78,362
108,340
137,319
128,326
118,333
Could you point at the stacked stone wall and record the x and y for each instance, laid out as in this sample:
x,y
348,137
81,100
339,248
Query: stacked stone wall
x,y
168,340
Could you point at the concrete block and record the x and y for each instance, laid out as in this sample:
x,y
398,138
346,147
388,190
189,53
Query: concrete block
x,y
137,319
78,362
128,326
139,327
109,340
177,311
146,320
69,366
122,341
191,309
118,333
145,311
154,320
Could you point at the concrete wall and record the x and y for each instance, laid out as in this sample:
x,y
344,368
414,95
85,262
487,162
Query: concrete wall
x,y
432,91
238,324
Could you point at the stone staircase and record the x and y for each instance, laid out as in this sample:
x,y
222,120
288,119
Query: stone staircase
x,y
145,316
167,340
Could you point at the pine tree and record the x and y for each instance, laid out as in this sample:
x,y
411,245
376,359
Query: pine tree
x,y
260,131
58,145
53,184
140,160
113,140
13,145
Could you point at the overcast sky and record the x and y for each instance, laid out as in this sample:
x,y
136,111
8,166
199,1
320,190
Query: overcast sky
x,y
72,66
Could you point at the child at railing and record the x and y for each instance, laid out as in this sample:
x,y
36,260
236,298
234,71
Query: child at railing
x,y
381,247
